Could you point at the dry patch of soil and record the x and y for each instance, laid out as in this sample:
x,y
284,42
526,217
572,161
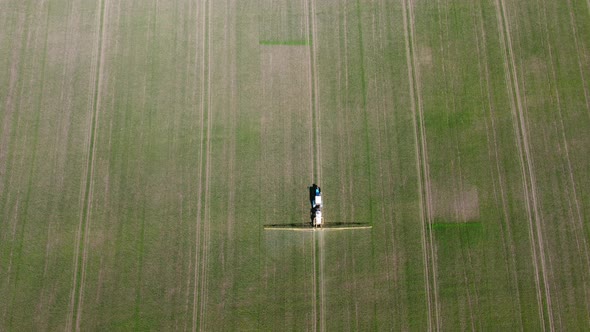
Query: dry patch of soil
x,y
455,204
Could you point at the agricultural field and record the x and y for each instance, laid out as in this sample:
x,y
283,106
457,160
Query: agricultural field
x,y
144,145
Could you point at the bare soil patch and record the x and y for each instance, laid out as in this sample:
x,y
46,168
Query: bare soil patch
x,y
454,204
424,56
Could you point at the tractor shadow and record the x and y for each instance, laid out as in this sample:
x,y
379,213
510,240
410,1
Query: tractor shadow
x,y
291,225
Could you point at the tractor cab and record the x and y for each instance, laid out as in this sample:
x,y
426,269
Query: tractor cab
x,y
318,197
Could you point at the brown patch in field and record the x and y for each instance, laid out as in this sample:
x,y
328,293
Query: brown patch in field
x,y
288,66
536,65
97,239
538,69
424,56
454,204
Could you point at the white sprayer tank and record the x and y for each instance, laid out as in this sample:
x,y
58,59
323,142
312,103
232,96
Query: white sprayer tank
x,y
318,200
318,218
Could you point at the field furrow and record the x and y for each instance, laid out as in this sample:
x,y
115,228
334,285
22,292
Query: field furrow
x,y
421,164
512,86
203,174
579,54
499,183
89,190
576,217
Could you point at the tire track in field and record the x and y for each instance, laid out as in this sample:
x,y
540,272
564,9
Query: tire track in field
x,y
10,256
308,40
97,102
200,172
206,220
322,282
147,100
578,52
187,101
15,218
232,107
10,104
364,105
578,221
493,146
63,124
318,143
36,99
384,141
318,305
62,129
202,229
314,288
508,79
10,117
7,141
527,171
65,98
309,7
365,120
312,132
316,92
82,233
421,167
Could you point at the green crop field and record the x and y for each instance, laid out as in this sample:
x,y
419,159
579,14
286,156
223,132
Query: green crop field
x,y
144,145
